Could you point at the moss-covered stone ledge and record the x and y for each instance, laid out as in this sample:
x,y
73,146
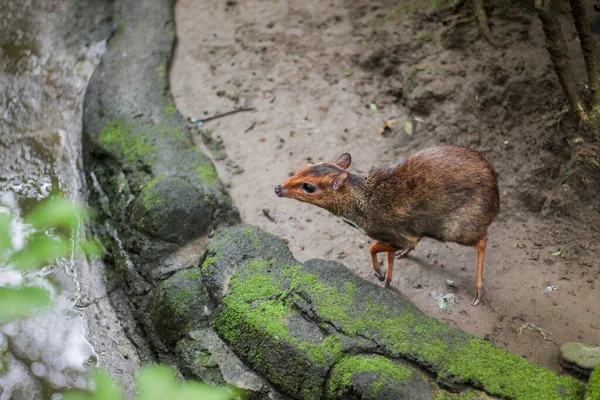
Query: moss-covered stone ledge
x,y
155,186
593,387
302,326
156,195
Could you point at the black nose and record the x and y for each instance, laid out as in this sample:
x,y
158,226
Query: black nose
x,y
277,190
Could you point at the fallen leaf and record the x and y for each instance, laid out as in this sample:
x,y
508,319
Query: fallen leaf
x,y
409,127
557,253
388,125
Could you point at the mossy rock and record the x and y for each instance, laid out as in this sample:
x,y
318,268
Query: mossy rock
x,y
173,210
197,362
180,305
593,386
265,293
138,153
580,357
376,378
203,356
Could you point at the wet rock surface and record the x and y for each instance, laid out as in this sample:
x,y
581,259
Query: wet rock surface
x,y
580,357
48,51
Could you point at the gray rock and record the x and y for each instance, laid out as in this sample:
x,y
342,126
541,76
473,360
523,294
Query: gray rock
x,y
180,305
580,357
292,323
162,191
173,210
203,355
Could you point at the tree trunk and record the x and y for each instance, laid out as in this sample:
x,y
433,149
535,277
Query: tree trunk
x,y
483,23
590,54
555,43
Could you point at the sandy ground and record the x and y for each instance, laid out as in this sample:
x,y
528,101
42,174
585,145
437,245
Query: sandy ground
x,y
311,68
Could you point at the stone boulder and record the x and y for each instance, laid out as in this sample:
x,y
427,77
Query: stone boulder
x,y
580,357
316,330
149,179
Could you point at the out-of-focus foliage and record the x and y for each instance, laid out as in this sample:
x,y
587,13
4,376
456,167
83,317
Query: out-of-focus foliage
x,y
154,382
54,232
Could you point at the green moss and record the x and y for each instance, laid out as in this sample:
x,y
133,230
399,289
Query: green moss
x,y
203,359
170,111
325,354
386,371
593,386
267,315
468,395
133,146
161,72
414,336
121,28
260,302
407,8
207,174
426,38
151,199
411,81
180,300
333,346
211,261
437,5
503,374
194,275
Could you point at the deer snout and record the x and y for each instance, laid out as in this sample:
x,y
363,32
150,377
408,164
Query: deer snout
x,y
278,190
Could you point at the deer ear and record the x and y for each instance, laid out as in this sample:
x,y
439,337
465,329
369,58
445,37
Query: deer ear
x,y
338,180
344,161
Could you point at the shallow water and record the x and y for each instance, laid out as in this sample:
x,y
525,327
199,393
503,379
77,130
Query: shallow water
x,y
45,65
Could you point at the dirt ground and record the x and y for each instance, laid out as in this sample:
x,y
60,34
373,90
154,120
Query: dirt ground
x,y
311,69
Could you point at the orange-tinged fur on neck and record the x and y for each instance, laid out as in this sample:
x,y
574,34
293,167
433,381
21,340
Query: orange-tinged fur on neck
x,y
322,176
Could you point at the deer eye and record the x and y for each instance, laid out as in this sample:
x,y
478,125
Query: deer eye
x,y
308,188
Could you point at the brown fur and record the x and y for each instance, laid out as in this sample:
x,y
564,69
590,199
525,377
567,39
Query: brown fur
x,y
447,193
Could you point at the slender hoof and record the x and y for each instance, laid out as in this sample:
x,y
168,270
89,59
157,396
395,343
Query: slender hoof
x,y
379,275
385,283
477,298
402,253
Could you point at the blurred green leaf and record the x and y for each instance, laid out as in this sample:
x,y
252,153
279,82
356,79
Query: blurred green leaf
x,y
191,390
21,302
73,395
40,250
5,244
156,382
56,212
106,387
2,363
91,248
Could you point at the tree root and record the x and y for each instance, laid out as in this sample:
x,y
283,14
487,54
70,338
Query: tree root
x,y
484,27
480,16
